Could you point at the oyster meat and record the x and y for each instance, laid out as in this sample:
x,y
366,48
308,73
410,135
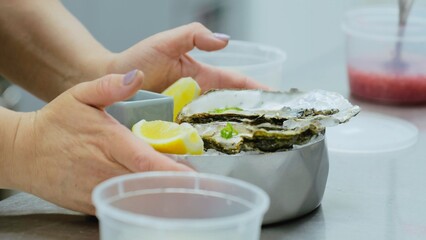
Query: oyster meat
x,y
231,121
252,137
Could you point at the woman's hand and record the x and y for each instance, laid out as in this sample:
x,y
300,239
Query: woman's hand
x,y
62,151
164,59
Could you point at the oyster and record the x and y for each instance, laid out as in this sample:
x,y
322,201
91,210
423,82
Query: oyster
x,y
253,138
264,121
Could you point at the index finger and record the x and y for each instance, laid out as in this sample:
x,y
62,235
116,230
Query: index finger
x,y
183,39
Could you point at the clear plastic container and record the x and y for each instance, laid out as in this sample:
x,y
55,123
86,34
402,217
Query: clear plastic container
x,y
260,62
172,205
386,63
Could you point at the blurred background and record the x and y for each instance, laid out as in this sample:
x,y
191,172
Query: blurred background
x,y
307,30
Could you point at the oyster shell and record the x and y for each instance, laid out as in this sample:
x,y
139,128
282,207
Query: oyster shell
x,y
254,138
265,120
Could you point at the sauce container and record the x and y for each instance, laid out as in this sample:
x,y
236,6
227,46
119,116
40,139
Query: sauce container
x,y
386,63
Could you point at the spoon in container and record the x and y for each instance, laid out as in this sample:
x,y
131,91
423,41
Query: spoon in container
x,y
404,10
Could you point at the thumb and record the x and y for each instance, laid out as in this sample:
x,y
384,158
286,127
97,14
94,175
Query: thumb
x,y
108,89
183,39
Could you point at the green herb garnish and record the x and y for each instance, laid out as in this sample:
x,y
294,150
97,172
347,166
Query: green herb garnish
x,y
222,110
228,131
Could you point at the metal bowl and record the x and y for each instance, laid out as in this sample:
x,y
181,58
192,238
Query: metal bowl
x,y
295,180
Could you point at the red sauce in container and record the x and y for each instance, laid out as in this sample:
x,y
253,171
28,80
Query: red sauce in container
x,y
376,82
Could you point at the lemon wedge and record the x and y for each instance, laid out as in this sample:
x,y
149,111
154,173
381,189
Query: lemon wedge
x,y
183,91
170,137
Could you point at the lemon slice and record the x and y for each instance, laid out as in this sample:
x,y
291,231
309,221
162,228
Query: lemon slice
x,y
170,137
183,91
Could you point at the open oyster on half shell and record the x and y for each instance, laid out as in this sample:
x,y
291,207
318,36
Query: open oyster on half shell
x,y
231,121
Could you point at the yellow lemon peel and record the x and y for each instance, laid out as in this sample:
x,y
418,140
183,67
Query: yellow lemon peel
x,y
170,137
183,91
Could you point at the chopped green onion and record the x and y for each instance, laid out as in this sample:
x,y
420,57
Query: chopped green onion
x,y
228,131
222,110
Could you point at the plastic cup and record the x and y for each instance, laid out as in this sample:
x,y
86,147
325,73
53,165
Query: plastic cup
x,y
260,62
386,63
178,205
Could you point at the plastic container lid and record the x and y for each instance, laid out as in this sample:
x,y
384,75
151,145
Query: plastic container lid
x,y
371,133
380,23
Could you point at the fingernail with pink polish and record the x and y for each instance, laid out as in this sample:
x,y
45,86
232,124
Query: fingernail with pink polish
x,y
221,36
129,77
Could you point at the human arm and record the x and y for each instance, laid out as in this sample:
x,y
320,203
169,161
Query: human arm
x,y
62,151
47,50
